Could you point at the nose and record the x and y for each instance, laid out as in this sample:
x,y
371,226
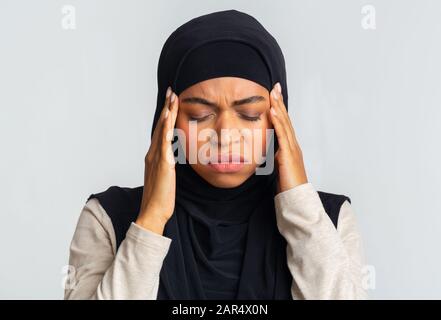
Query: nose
x,y
227,130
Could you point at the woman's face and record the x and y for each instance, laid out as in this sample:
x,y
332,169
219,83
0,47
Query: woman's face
x,y
214,115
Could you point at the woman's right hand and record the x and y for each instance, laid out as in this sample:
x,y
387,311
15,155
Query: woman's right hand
x,y
158,199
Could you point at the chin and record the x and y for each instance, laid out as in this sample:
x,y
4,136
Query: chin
x,y
226,180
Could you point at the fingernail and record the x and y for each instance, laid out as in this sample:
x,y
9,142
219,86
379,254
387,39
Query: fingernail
x,y
275,94
279,87
167,94
173,96
273,111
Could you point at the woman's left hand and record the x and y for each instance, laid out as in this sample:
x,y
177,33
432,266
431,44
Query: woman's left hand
x,y
288,158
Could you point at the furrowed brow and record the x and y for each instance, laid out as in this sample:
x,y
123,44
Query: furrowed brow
x,y
248,100
198,100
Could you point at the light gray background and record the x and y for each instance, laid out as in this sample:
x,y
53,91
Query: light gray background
x,y
76,110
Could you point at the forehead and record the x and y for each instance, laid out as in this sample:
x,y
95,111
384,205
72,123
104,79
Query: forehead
x,y
234,87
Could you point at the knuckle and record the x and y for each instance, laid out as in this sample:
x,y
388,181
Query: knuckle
x,y
149,158
162,162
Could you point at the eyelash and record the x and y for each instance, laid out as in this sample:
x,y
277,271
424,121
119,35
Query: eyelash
x,y
243,116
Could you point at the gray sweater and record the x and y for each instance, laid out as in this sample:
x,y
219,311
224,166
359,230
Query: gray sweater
x,y
327,262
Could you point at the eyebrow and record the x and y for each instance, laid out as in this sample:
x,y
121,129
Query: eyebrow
x,y
198,100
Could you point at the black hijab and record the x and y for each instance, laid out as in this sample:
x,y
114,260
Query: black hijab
x,y
225,241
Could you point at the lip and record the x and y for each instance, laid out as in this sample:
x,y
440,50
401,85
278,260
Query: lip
x,y
234,164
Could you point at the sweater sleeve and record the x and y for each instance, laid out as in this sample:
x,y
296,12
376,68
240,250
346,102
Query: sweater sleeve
x,y
325,262
99,271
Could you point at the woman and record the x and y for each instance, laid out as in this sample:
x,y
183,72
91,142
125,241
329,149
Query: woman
x,y
210,226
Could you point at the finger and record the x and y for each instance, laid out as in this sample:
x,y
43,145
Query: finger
x,y
167,134
276,104
174,109
162,116
286,118
285,110
279,129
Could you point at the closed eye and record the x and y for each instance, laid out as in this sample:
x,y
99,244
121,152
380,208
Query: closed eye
x,y
199,119
248,118
243,116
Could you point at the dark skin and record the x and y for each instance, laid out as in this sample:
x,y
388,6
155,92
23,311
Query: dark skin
x,y
226,102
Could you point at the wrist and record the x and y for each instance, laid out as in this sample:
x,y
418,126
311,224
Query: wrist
x,y
152,221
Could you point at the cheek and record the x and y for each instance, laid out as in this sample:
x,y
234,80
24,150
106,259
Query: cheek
x,y
266,127
261,128
259,141
183,124
256,141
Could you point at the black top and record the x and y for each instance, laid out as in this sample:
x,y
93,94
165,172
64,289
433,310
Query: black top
x,y
122,205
